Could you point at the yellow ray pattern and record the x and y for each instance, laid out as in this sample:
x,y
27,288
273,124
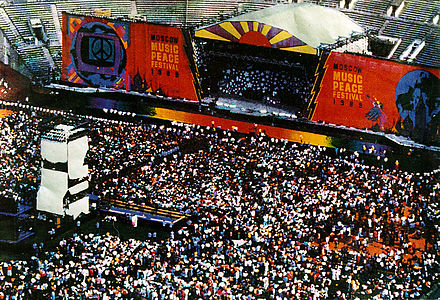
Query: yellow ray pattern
x,y
245,26
302,49
256,26
209,35
265,29
280,37
231,29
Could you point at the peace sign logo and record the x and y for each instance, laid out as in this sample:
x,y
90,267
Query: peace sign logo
x,y
102,49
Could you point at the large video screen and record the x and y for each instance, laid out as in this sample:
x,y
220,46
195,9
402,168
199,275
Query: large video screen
x,y
130,56
381,95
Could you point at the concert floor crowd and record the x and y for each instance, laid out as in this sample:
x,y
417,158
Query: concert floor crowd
x,y
269,219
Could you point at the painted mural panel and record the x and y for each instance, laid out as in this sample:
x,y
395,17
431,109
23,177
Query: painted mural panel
x,y
255,33
138,57
364,92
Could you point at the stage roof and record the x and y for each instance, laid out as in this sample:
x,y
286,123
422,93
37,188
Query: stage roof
x,y
294,27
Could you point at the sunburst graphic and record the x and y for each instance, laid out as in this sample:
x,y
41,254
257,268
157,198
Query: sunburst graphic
x,y
254,33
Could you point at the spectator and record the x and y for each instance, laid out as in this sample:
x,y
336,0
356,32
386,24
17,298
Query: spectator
x,y
271,219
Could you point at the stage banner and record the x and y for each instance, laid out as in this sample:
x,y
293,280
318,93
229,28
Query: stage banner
x,y
381,95
130,56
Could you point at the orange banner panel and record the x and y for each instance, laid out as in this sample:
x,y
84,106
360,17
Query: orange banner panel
x,y
363,92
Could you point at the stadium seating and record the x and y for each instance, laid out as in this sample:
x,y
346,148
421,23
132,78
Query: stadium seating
x,y
209,9
414,21
21,13
329,3
370,21
420,10
429,55
248,6
55,52
313,1
120,8
413,30
22,27
372,6
161,11
9,29
34,59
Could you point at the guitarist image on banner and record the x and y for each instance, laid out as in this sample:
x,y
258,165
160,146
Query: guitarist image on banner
x,y
376,113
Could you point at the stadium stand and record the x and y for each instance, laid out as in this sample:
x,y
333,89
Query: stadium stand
x,y
329,3
14,18
421,11
429,54
369,21
35,59
155,11
9,29
313,1
413,30
247,6
260,217
121,8
378,7
21,14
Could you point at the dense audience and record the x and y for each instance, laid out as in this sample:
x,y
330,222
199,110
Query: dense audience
x,y
271,191
116,147
19,156
259,77
270,219
269,86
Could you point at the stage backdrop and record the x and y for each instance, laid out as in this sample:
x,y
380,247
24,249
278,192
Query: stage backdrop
x,y
139,57
363,92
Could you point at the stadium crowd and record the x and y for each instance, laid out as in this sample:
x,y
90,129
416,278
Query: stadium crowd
x,y
257,76
270,219
268,191
19,156
118,146
266,85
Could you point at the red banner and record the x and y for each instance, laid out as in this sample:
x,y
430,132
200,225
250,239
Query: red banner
x,y
363,92
158,54
137,57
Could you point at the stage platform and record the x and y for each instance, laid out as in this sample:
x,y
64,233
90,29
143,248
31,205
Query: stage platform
x,y
144,216
143,212
259,109
240,110
22,236
20,209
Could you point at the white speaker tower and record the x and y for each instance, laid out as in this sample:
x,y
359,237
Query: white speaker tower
x,y
64,176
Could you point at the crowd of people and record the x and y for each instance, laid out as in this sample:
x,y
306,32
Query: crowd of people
x,y
265,85
116,147
19,156
267,192
269,219
257,76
